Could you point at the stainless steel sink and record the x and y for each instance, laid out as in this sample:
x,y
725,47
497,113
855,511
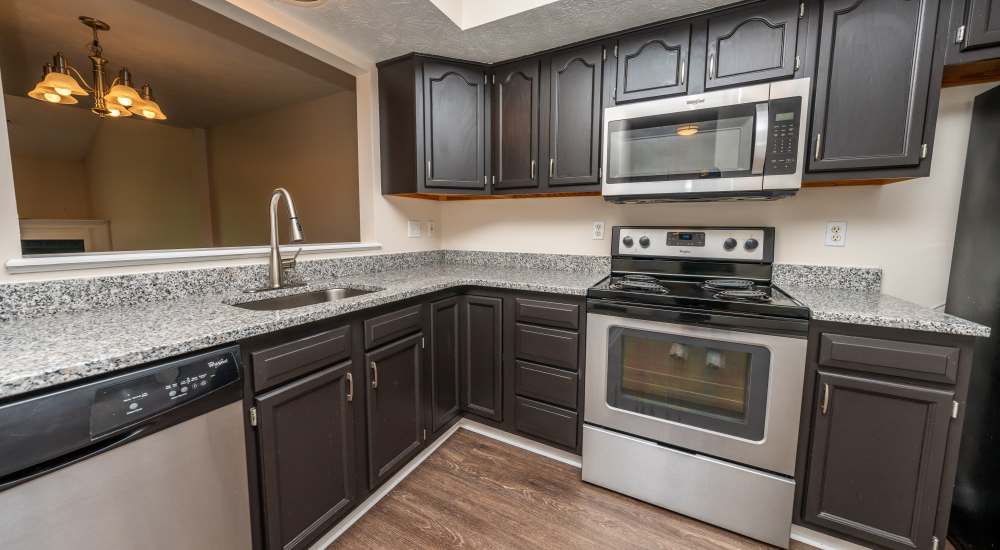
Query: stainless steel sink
x,y
304,299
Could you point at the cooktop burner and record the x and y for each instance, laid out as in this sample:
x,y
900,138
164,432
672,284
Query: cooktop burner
x,y
747,295
728,284
638,282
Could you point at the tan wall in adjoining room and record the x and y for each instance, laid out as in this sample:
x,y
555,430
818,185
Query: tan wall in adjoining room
x,y
143,180
51,189
310,148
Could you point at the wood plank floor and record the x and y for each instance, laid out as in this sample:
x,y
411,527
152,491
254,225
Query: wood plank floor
x,y
476,492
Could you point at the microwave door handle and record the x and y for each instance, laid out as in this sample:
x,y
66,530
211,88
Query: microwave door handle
x,y
760,139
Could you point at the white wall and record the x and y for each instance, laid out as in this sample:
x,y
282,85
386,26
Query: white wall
x,y
906,228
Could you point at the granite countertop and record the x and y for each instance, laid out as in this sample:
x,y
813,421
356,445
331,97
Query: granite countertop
x,y
871,307
44,351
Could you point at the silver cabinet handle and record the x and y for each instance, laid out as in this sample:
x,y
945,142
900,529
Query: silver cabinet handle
x,y
350,387
552,167
816,150
826,399
374,376
684,70
711,65
533,169
428,169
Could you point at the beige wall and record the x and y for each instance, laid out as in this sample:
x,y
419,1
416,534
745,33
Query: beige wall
x,y
51,188
143,180
309,148
907,228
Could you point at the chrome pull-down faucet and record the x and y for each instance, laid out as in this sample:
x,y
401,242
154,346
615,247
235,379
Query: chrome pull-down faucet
x,y
277,265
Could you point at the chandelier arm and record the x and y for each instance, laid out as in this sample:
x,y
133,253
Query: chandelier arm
x,y
80,77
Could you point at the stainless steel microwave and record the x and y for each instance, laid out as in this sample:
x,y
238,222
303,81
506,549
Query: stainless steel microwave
x,y
740,143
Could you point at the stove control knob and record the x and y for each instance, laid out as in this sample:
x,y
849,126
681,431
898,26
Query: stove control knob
x,y
729,244
751,245
644,241
627,241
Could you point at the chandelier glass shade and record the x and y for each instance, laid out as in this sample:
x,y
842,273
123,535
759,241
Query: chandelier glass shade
x,y
117,99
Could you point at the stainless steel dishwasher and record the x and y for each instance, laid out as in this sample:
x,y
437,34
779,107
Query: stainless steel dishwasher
x,y
152,459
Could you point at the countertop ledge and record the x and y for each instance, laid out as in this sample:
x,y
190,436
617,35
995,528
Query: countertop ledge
x,y
873,308
41,352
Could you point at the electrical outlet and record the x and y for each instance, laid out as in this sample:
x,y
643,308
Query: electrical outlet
x,y
413,229
836,233
597,231
431,228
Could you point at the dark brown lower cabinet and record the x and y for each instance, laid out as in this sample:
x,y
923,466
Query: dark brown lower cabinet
x,y
444,359
307,466
482,356
876,459
395,419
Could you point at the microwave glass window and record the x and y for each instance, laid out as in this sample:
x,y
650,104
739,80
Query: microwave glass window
x,y
713,143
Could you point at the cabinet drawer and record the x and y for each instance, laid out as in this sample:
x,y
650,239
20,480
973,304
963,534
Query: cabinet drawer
x,y
386,328
889,357
553,314
299,357
548,346
547,384
553,424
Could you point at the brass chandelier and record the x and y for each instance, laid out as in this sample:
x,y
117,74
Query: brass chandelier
x,y
116,100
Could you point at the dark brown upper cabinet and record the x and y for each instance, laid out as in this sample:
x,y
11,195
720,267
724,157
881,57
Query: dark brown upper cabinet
x,y
482,356
306,436
516,95
752,44
872,84
433,117
444,358
454,127
395,412
974,33
876,459
653,63
572,109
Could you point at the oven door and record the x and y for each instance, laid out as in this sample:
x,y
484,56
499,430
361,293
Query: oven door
x,y
692,146
729,394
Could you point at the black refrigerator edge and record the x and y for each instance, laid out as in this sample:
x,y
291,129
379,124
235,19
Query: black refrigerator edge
x,y
974,294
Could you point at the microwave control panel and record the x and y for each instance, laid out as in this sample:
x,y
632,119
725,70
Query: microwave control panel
x,y
783,135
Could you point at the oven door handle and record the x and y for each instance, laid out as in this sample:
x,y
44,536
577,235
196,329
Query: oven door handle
x,y
760,131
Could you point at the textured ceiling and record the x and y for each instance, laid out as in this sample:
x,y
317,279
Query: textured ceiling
x,y
204,68
387,28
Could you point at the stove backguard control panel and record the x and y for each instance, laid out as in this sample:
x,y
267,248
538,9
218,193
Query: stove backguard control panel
x,y
749,244
153,391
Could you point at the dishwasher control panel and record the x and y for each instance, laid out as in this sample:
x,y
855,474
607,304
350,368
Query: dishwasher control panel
x,y
155,390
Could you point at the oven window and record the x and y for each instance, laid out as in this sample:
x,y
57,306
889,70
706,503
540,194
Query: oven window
x,y
710,143
715,385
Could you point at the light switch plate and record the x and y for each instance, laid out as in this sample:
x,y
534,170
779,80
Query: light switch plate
x,y
836,233
597,231
413,229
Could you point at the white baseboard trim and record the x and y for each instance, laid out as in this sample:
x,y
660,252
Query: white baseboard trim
x,y
472,426
822,540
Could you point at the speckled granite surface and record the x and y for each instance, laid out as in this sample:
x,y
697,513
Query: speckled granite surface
x,y
43,351
881,310
827,276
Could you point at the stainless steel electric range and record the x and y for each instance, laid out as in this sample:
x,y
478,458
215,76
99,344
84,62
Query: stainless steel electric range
x,y
695,366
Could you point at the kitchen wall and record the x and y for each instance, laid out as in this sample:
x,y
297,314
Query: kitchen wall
x,y
907,228
313,144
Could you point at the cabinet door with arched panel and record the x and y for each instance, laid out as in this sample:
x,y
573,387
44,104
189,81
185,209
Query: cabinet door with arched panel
x,y
752,44
572,107
515,125
653,63
454,126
